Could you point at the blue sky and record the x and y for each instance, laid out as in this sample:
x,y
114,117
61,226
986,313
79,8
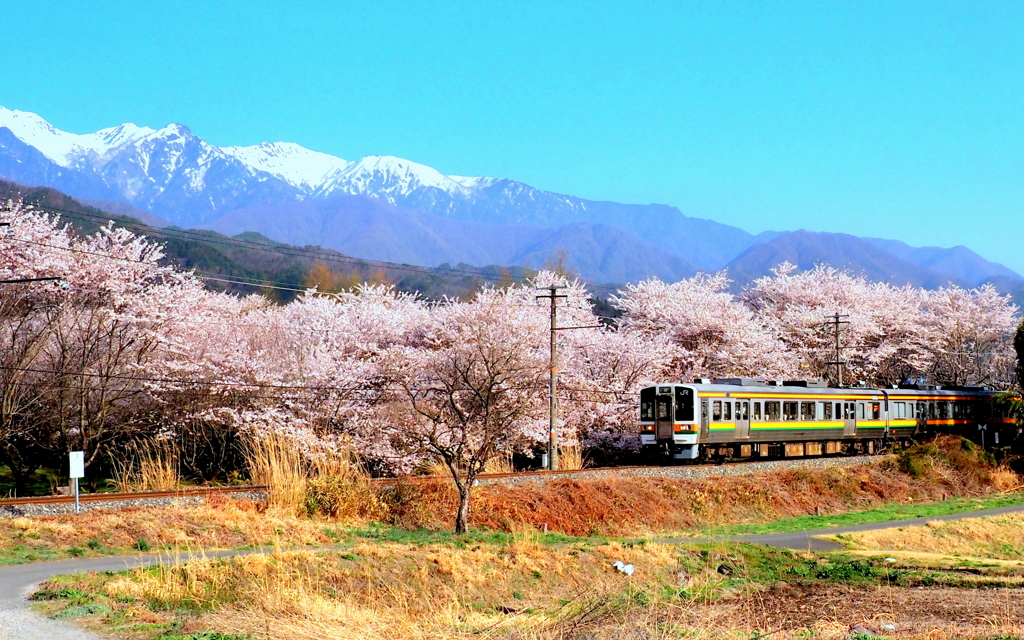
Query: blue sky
x,y
893,119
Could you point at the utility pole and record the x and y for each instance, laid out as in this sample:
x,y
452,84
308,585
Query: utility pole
x,y
553,295
836,322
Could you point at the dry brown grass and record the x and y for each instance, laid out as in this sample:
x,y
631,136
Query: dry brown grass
x,y
275,461
995,537
220,523
300,481
497,464
638,506
148,466
571,457
387,591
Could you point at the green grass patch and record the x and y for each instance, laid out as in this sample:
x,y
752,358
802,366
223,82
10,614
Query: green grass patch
x,y
887,513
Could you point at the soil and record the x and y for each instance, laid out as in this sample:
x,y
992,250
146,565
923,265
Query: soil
x,y
902,612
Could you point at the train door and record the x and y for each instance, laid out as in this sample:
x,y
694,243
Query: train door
x,y
663,415
742,417
849,418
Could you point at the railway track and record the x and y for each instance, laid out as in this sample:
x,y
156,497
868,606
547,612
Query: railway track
x,y
683,471
201,492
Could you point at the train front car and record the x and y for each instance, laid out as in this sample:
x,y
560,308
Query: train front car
x,y
669,424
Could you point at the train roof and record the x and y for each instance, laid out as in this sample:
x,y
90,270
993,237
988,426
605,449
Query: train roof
x,y
803,390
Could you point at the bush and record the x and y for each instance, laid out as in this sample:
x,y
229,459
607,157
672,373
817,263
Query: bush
x,y
338,497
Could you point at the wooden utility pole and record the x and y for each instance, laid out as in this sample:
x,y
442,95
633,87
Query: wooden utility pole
x,y
835,321
553,295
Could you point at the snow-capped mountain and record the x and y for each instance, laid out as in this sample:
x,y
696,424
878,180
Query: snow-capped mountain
x,y
64,148
298,166
175,174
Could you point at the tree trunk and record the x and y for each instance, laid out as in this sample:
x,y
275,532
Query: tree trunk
x,y
462,516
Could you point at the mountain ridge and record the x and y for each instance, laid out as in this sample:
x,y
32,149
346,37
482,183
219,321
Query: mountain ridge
x,y
422,216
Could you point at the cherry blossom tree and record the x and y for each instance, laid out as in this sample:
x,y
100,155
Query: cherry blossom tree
x,y
882,342
473,390
971,335
710,333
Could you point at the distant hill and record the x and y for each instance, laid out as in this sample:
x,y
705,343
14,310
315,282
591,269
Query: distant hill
x,y
959,262
373,229
806,249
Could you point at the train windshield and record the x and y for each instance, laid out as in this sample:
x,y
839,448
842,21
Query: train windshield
x,y
647,403
684,404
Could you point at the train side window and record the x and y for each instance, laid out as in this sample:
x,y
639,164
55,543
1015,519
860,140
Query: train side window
x,y
875,410
943,410
826,409
771,411
728,411
839,411
807,411
790,410
899,410
757,411
742,409
716,411
860,410
922,409
910,410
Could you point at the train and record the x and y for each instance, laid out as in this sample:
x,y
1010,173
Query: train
x,y
754,418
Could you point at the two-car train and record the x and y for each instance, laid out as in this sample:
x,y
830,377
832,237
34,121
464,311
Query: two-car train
x,y
743,418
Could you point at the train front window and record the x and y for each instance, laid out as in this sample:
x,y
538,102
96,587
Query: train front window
x,y
684,404
647,403
664,407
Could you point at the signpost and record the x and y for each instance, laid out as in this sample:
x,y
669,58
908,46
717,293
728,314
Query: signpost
x,y
77,471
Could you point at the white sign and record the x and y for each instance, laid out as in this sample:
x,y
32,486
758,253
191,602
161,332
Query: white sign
x,y
77,464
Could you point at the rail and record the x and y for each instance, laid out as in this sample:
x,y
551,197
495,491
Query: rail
x,y
484,477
